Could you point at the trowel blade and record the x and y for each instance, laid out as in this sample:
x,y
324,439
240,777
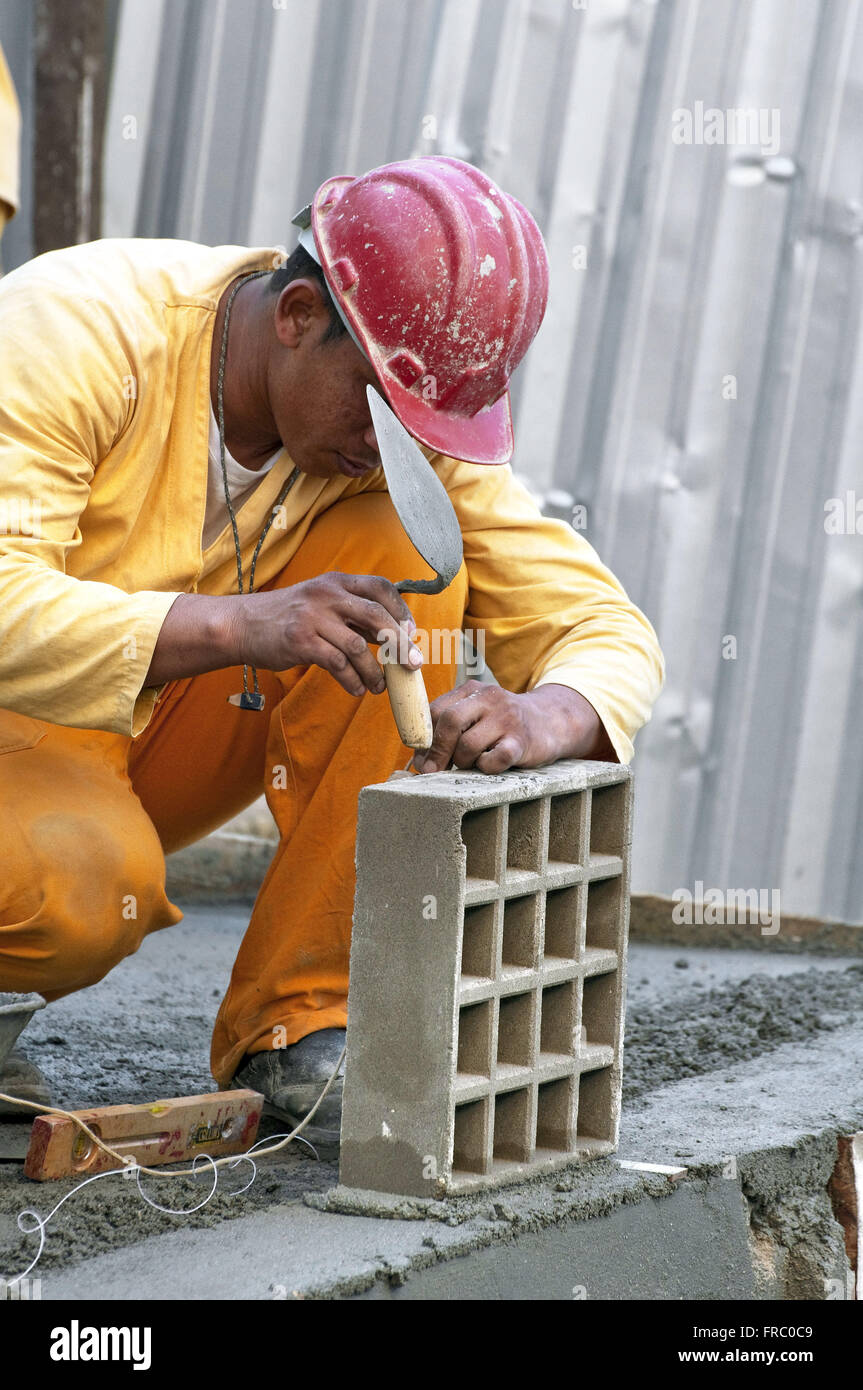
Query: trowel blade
x,y
419,497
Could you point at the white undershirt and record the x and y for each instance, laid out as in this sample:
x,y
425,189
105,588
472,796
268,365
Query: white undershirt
x,y
241,481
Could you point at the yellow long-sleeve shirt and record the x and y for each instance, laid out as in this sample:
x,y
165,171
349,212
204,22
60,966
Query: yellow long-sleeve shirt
x,y
104,413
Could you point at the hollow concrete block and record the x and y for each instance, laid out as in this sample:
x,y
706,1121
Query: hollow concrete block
x,y
485,1015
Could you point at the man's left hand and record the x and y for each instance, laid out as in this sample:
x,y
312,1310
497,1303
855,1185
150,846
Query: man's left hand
x,y
491,729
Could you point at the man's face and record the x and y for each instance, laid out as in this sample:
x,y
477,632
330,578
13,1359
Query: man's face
x,y
317,393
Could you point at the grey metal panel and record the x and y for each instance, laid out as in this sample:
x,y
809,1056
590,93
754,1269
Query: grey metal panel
x,y
702,264
167,154
16,40
756,703
131,103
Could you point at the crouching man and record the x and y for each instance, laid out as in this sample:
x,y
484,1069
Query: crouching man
x,y
198,561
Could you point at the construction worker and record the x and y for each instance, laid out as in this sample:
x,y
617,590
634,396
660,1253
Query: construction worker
x,y
142,385
10,130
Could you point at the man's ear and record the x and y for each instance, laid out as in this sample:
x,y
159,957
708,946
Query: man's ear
x,y
299,310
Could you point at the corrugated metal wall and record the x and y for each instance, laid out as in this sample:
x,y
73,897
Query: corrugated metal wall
x,y
16,40
698,382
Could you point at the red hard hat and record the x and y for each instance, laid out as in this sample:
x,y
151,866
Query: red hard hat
x,y
443,280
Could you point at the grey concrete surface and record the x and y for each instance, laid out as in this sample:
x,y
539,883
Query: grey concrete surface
x,y
297,1253
755,1128
697,1239
227,866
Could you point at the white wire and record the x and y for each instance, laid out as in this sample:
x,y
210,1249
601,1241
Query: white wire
x,y
130,1168
182,1211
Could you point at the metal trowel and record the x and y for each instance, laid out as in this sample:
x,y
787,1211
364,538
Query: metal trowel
x,y
431,525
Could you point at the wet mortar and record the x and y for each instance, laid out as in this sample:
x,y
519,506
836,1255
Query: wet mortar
x,y
143,1034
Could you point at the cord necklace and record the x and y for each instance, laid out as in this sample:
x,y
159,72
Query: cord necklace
x,y
246,698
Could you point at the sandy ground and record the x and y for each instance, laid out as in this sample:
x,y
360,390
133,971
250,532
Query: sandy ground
x,y
726,1051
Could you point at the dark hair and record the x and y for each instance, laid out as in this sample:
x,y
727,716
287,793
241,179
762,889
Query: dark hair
x,y
301,266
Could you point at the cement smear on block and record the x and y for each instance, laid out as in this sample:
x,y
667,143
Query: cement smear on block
x,y
593,1189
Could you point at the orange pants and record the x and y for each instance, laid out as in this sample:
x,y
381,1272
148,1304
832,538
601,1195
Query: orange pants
x,y
87,817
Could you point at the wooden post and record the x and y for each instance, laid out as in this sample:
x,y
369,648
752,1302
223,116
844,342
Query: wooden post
x,y
70,95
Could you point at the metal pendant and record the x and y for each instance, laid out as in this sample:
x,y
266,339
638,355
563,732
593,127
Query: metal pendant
x,y
247,699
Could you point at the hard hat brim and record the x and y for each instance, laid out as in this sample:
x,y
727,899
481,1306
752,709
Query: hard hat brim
x,y
486,437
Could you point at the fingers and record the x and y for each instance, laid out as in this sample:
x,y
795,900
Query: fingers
x,y
380,591
376,625
452,697
320,652
476,725
467,690
507,752
351,661
491,745
329,621
453,716
352,611
374,607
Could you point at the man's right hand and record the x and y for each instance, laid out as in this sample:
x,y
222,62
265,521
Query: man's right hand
x,y
327,621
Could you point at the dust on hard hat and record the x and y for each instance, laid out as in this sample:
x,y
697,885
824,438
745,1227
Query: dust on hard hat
x,y
442,280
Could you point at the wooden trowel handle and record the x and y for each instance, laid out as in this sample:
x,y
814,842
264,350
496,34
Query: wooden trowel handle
x,y
410,704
